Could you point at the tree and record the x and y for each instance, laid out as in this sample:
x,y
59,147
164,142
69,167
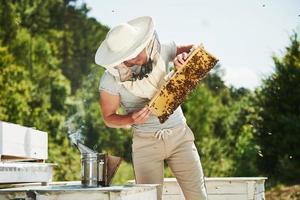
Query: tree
x,y
15,88
278,125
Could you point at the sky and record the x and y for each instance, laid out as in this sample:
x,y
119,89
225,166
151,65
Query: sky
x,y
243,34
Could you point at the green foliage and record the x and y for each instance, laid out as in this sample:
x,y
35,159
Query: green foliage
x,y
278,127
15,89
34,86
124,174
8,21
245,148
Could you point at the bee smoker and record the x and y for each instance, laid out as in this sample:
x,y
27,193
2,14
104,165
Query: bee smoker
x,y
89,170
98,169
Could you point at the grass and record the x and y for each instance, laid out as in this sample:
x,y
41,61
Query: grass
x,y
125,173
282,192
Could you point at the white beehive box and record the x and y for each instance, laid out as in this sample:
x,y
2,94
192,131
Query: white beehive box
x,y
22,172
20,142
223,188
236,188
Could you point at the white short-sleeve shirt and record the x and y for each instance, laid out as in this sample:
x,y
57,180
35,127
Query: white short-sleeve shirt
x,y
132,103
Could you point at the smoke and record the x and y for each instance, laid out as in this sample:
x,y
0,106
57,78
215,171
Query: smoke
x,y
75,133
75,124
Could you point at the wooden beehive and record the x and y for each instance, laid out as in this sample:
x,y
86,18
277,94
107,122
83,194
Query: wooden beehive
x,y
19,143
220,188
184,80
25,172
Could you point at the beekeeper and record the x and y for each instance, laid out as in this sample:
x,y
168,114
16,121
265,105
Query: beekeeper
x,y
136,64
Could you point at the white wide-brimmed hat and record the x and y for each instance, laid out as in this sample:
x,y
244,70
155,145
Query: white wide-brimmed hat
x,y
124,42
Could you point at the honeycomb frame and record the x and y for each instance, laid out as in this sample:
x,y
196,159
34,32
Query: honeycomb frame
x,y
180,85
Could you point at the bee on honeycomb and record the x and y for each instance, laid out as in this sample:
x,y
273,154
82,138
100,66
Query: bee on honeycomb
x,y
181,84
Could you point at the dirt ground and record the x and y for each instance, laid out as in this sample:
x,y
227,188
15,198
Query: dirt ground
x,y
284,193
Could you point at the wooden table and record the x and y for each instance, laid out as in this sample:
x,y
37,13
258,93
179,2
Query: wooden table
x,y
73,191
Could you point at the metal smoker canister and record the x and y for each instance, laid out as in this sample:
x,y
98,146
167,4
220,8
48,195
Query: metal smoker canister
x,y
89,170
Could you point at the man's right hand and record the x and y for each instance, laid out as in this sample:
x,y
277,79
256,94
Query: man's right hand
x,y
140,116
109,105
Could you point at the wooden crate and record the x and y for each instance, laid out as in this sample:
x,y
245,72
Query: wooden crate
x,y
236,188
22,143
25,172
226,188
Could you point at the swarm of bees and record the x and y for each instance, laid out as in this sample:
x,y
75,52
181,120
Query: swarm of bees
x,y
181,84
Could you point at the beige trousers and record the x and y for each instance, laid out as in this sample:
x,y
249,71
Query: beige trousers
x,y
175,146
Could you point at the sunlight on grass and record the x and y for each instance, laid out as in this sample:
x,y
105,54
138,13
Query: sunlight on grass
x,y
125,173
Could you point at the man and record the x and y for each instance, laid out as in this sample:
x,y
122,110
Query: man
x,y
136,64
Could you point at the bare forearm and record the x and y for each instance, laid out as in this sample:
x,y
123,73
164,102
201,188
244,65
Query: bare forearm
x,y
118,121
184,48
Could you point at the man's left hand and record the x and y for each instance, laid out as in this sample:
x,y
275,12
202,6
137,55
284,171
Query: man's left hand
x,y
179,60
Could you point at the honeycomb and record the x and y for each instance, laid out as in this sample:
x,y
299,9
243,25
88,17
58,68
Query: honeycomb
x,y
180,85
